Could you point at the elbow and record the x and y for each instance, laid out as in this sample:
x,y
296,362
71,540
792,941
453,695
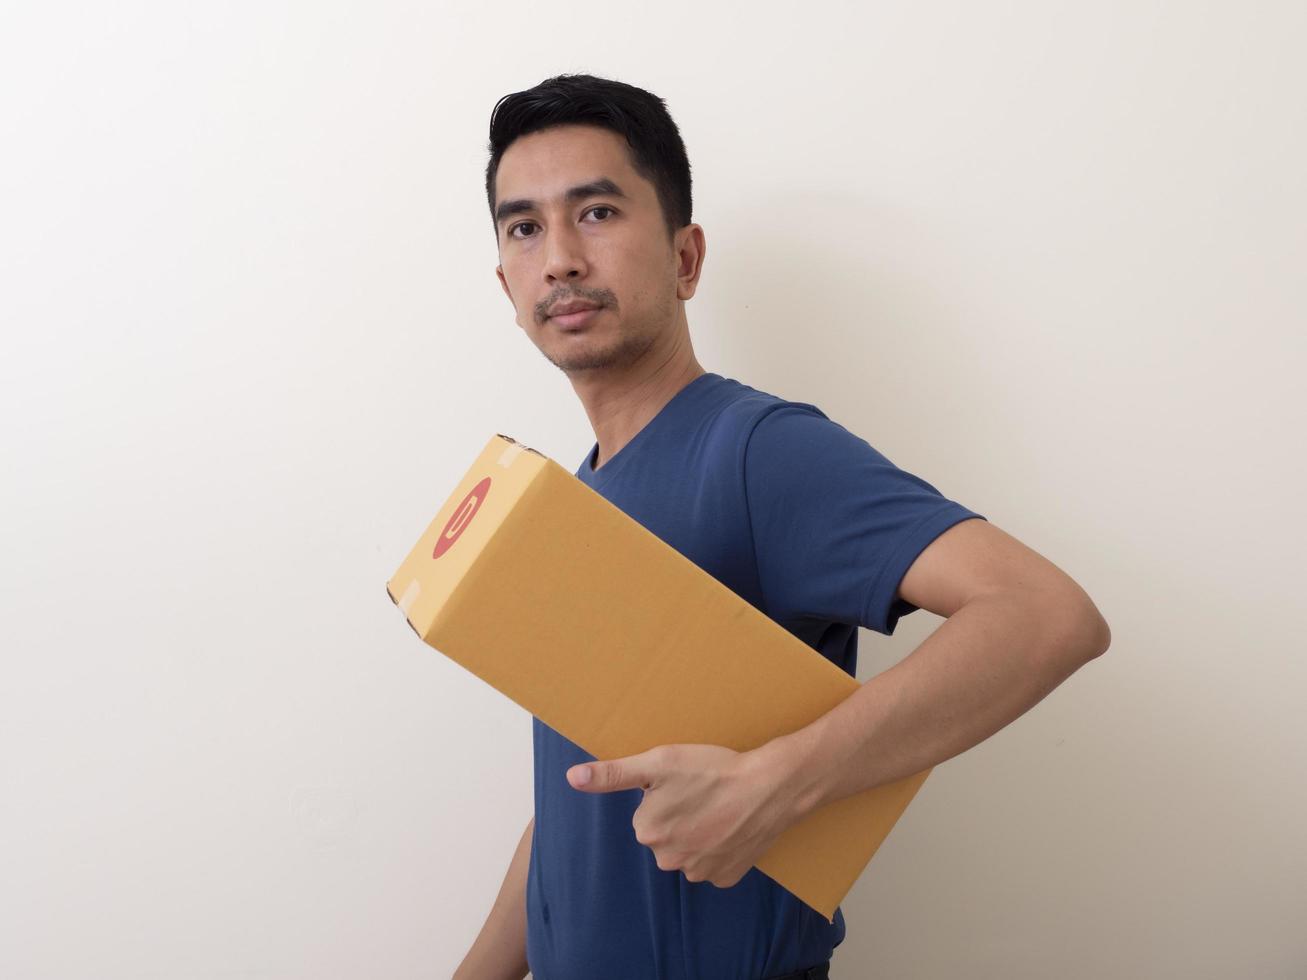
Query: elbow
x,y
1078,644
1102,634
1084,634
1095,634
1090,633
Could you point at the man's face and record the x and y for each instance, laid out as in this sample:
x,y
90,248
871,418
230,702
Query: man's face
x,y
603,247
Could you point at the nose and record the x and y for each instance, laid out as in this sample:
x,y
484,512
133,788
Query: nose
x,y
564,259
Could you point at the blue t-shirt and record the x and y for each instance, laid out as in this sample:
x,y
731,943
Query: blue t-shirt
x,y
813,527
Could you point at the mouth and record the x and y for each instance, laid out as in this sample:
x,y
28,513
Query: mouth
x,y
577,318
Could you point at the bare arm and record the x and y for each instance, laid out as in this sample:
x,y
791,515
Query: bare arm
x,y
1017,626
985,666
499,952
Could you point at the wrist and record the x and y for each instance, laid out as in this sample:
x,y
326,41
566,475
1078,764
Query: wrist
x,y
785,766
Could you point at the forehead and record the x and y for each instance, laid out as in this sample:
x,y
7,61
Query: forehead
x,y
544,164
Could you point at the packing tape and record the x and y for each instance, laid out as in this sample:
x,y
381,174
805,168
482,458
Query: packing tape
x,y
410,596
509,454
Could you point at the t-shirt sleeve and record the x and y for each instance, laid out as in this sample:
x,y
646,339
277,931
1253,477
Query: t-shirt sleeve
x,y
835,524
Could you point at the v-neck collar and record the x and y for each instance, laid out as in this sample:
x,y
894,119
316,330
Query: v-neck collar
x,y
597,477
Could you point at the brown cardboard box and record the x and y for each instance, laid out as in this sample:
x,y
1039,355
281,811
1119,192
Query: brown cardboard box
x,y
549,593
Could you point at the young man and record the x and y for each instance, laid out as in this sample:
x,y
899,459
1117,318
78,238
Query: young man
x,y
644,871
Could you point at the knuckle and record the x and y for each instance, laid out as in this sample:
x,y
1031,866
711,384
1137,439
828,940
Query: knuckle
x,y
725,881
644,834
649,838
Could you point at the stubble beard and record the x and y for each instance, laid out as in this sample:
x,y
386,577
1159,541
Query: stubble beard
x,y
621,354
628,348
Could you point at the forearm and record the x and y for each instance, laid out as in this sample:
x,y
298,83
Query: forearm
x,y
499,952
983,667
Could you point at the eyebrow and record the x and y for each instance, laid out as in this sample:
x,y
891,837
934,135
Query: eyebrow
x,y
595,188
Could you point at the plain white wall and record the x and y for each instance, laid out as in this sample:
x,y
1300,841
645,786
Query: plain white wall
x,y
1048,256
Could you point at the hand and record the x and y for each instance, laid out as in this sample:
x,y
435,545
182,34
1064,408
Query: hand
x,y
707,810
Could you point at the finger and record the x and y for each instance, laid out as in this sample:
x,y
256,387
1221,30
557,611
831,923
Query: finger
x,y
631,772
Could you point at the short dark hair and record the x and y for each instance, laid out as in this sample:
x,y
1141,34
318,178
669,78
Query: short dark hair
x,y
641,118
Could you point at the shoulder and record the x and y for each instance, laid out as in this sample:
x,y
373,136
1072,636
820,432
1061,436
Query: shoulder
x,y
746,410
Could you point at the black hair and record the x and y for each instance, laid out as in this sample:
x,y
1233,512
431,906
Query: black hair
x,y
654,143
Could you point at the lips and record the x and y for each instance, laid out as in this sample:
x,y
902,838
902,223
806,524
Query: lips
x,y
571,321
566,308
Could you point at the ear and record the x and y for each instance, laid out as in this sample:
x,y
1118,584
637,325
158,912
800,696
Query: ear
x,y
499,271
691,247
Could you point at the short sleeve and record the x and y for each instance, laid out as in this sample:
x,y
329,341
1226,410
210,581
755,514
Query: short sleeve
x,y
835,524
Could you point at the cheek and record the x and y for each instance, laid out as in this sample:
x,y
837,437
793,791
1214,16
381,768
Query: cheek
x,y
513,271
650,270
515,278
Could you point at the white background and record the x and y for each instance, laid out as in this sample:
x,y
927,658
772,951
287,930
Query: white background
x,y
1049,256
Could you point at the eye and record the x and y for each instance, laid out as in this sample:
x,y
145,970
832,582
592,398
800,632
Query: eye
x,y
597,207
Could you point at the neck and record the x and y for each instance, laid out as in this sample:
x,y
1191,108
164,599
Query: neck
x,y
620,405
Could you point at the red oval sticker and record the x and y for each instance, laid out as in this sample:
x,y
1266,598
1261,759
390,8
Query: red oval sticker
x,y
462,517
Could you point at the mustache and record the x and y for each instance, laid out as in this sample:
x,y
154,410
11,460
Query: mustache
x,y
599,298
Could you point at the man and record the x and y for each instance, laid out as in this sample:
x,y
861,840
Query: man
x,y
644,871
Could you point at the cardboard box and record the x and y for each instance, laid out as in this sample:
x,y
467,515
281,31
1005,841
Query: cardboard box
x,y
552,595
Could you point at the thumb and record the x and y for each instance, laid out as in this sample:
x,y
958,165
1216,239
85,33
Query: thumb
x,y
632,772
